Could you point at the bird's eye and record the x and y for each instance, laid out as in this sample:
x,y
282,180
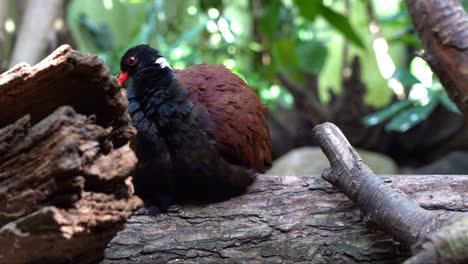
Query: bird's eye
x,y
131,61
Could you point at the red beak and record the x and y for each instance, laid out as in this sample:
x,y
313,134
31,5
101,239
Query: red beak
x,y
123,77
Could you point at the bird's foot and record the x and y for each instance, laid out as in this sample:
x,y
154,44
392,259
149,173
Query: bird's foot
x,y
157,206
151,210
154,210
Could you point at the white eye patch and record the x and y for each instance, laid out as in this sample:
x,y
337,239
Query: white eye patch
x,y
163,63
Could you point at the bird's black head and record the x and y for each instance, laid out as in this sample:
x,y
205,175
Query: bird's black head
x,y
139,57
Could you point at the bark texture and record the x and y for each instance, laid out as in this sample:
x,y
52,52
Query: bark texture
x,y
442,27
281,219
448,245
435,237
64,177
390,211
63,189
65,77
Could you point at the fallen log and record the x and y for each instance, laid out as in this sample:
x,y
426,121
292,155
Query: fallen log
x,y
64,177
280,219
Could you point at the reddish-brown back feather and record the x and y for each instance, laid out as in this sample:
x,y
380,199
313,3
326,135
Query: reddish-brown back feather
x,y
232,114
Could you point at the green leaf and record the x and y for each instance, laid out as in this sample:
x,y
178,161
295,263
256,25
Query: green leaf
x,y
121,30
269,22
148,30
285,59
99,14
311,55
396,20
385,114
465,4
100,35
406,38
405,77
447,103
188,36
309,9
284,52
407,119
342,24
207,4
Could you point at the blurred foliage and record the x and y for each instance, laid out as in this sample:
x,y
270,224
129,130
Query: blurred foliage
x,y
422,91
9,34
407,113
258,39
295,34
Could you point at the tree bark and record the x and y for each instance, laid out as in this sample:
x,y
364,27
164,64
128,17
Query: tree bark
x,y
442,27
434,237
63,189
65,77
281,219
390,211
64,177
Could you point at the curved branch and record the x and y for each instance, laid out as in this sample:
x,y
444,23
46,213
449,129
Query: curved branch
x,y
389,210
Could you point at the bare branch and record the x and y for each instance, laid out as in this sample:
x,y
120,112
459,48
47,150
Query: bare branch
x,y
389,210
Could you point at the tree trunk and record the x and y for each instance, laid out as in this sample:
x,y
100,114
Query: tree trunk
x,y
280,219
32,37
442,27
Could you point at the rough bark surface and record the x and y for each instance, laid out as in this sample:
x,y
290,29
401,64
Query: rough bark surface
x,y
434,237
447,245
442,27
63,189
390,211
64,177
65,77
281,219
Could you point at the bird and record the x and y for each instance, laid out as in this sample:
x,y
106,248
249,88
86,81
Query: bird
x,y
202,132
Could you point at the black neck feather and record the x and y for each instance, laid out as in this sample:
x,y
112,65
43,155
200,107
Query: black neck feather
x,y
160,107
